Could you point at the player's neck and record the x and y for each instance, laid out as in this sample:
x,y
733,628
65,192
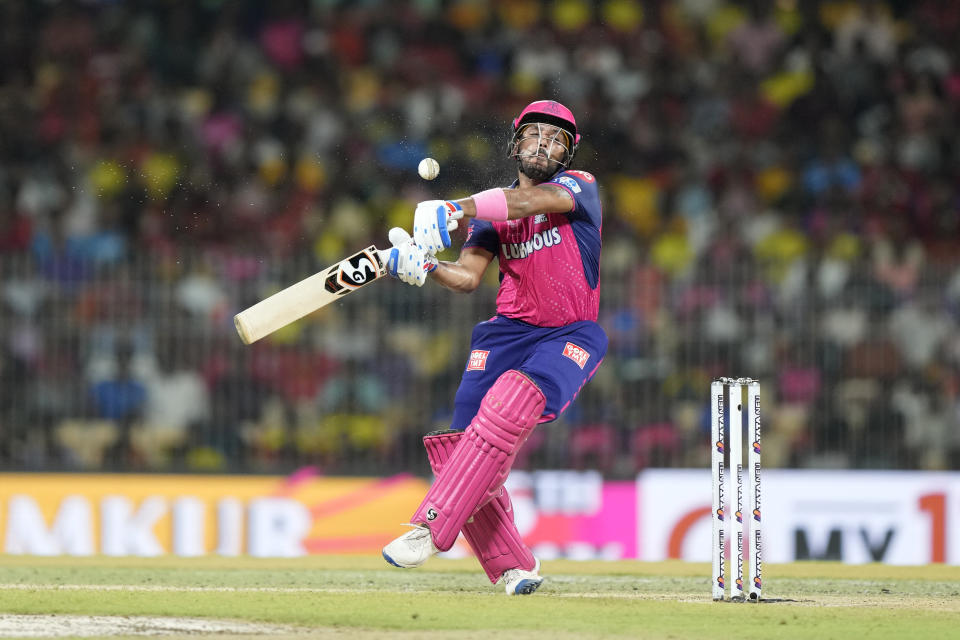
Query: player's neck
x,y
523,181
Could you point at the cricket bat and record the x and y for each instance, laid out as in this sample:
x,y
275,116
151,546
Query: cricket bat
x,y
310,294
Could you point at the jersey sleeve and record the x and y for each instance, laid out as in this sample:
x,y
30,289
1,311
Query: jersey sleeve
x,y
481,234
582,187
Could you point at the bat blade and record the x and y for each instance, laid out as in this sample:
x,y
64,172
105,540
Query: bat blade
x,y
310,294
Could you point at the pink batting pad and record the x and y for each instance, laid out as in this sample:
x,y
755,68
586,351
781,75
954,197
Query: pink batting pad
x,y
479,464
439,446
493,536
491,531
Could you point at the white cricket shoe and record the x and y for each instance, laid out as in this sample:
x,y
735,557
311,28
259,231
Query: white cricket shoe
x,y
520,582
411,549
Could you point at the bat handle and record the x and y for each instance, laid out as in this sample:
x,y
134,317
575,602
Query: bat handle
x,y
385,257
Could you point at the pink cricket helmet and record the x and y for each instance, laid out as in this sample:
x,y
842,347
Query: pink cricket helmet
x,y
548,112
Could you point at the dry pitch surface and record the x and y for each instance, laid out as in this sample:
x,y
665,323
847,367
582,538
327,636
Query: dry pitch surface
x,y
361,597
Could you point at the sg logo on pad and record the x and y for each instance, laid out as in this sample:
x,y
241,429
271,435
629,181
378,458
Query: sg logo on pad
x,y
577,354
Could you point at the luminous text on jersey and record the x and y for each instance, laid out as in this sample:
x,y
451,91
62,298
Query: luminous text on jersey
x,y
539,240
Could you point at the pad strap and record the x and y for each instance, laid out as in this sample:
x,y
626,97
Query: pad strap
x,y
480,463
491,531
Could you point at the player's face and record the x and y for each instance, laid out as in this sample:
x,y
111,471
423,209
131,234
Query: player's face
x,y
540,149
543,141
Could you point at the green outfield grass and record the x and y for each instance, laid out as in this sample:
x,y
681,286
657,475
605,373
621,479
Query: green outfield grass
x,y
362,597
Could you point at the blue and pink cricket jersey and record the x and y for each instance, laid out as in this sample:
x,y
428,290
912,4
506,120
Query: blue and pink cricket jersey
x,y
547,304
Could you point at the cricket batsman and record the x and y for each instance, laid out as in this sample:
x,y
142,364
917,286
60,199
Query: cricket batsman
x,y
528,362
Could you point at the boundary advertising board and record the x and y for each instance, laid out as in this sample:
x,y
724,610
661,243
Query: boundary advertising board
x,y
851,516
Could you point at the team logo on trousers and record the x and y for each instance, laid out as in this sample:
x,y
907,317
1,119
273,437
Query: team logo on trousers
x,y
577,354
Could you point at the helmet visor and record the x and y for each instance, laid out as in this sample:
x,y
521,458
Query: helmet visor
x,y
540,139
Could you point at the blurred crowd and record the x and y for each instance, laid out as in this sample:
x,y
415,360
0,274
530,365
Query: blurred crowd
x,y
781,202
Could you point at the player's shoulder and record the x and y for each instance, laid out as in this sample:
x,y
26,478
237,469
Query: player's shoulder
x,y
575,180
584,176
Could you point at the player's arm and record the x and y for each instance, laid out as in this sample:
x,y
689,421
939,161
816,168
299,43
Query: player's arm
x,y
433,220
465,274
412,264
521,202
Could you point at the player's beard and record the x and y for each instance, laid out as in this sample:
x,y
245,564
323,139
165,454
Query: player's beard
x,y
536,172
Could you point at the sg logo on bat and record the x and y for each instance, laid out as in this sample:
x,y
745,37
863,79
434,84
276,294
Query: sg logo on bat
x,y
354,272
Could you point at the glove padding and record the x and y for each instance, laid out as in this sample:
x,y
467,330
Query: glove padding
x,y
432,223
406,260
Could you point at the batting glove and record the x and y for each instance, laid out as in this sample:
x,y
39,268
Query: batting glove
x,y
407,261
432,223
